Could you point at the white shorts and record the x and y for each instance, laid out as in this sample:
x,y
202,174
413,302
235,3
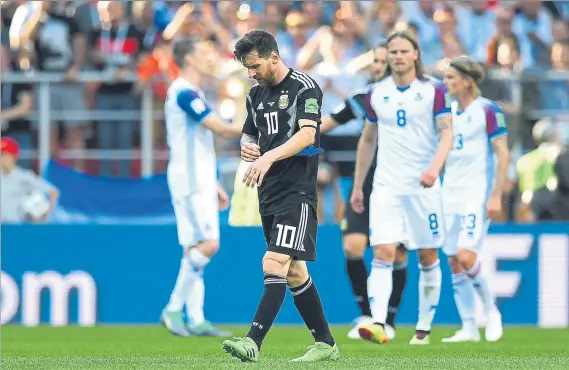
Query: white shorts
x,y
466,224
417,219
197,218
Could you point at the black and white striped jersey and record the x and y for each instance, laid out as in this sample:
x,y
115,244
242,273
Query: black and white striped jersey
x,y
273,113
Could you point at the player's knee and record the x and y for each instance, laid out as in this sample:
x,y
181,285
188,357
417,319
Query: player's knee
x,y
273,267
401,256
384,252
209,248
428,257
297,275
354,246
454,264
466,258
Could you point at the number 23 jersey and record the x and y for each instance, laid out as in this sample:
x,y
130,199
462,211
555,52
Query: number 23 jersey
x,y
273,113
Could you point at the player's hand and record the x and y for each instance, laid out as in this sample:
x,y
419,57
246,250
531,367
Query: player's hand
x,y
429,177
257,170
222,198
357,200
494,207
250,152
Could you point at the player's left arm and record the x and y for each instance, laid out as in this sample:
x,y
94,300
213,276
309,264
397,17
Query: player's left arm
x,y
309,118
443,124
200,112
496,129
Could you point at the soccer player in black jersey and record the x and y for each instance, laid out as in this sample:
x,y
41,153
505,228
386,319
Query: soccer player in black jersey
x,y
355,226
281,138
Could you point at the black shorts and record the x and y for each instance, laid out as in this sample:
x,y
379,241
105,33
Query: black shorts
x,y
292,232
357,223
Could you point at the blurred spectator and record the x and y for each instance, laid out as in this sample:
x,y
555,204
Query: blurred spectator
x,y
560,30
17,104
273,17
552,204
561,8
87,16
115,49
334,47
158,70
382,19
477,26
504,31
22,194
555,94
22,14
293,38
533,28
143,19
421,13
59,46
314,14
227,14
451,43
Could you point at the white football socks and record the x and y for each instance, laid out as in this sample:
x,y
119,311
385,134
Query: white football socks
x,y
482,287
430,279
379,285
181,288
196,293
464,298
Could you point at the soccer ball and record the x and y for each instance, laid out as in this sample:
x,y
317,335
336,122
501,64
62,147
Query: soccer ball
x,y
36,205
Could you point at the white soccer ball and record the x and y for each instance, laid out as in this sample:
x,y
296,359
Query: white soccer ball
x,y
36,205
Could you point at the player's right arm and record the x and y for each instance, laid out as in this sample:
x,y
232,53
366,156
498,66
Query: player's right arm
x,y
198,110
250,150
342,114
366,150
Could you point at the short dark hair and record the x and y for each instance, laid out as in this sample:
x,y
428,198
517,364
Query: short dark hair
x,y
183,47
257,40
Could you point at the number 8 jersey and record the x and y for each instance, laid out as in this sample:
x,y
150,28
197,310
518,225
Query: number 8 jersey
x,y
407,136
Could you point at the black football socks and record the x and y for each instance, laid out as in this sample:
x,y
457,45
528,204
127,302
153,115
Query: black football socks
x,y
308,304
399,281
270,305
357,272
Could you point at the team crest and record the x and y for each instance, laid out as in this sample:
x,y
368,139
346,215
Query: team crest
x,y
283,101
386,99
419,97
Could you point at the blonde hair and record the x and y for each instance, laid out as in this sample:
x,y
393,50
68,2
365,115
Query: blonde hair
x,y
469,68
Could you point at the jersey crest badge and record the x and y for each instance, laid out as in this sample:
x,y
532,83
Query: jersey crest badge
x,y
419,97
283,101
311,106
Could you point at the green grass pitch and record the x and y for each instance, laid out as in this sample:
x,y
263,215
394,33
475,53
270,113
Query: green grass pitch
x,y
134,347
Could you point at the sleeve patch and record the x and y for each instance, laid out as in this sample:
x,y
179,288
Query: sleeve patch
x,y
311,106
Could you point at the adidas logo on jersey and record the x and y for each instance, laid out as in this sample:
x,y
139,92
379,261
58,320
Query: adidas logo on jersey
x,y
260,106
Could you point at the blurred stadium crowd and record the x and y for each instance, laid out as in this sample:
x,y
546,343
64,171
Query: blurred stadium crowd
x,y
524,45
